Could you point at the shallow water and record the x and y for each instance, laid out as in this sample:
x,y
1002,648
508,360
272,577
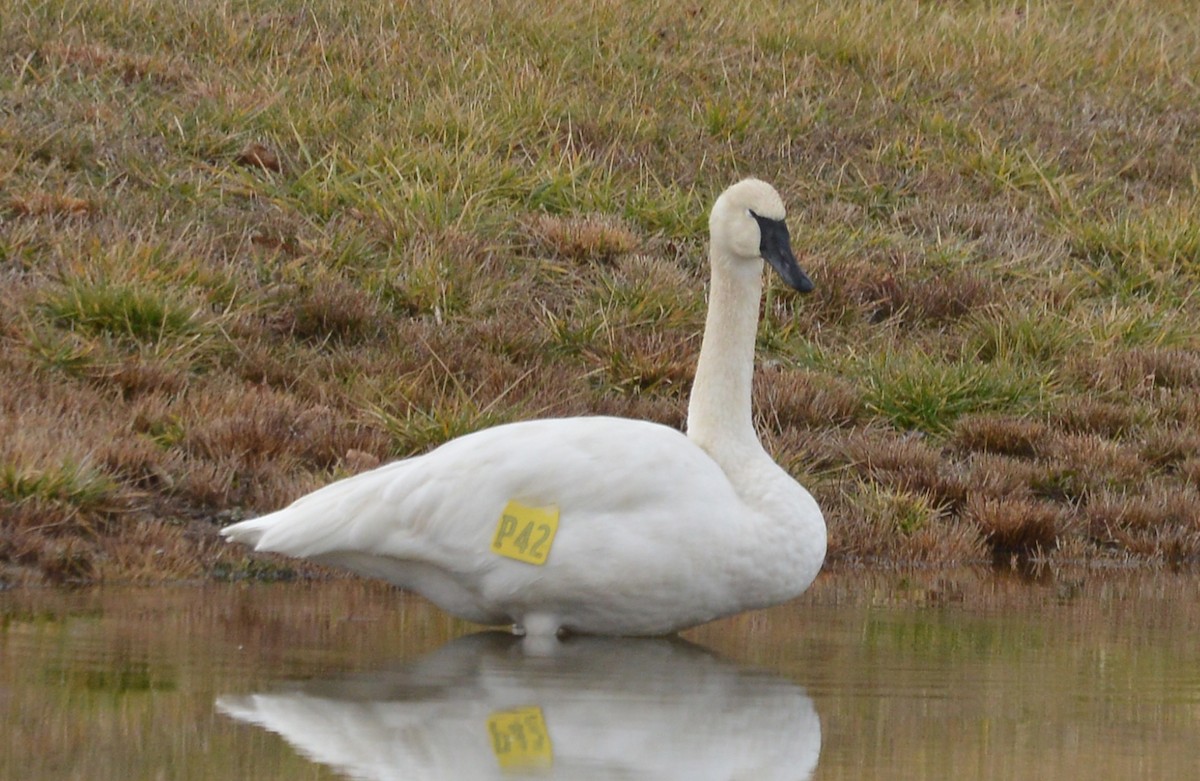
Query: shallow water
x,y
917,676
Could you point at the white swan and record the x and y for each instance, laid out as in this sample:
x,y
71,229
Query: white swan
x,y
595,525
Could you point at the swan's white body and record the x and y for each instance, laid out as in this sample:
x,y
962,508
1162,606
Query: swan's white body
x,y
657,531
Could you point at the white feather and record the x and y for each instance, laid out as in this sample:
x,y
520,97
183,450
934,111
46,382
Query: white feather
x,y
658,531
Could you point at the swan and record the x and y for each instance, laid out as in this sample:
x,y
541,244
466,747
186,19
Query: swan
x,y
594,525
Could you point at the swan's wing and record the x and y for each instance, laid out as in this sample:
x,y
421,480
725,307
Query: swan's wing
x,y
443,508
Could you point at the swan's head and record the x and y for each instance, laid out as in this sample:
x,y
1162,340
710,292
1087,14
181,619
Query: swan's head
x,y
747,224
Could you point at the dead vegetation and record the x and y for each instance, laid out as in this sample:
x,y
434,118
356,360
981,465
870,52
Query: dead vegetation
x,y
246,252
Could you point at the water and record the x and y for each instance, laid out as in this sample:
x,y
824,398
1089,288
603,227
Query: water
x,y
926,676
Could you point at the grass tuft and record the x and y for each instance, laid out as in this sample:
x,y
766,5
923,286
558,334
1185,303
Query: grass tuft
x,y
1094,416
1167,449
1001,434
595,239
906,463
889,524
1017,527
328,309
1136,253
121,312
1015,337
915,392
69,488
933,301
787,399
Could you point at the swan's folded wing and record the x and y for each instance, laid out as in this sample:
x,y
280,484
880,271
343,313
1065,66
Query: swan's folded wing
x,y
443,507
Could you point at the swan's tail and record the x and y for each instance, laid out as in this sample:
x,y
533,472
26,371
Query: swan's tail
x,y
323,520
248,532
308,527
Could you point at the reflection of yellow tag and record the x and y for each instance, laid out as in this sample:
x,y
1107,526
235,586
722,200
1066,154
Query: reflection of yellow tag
x,y
526,533
519,738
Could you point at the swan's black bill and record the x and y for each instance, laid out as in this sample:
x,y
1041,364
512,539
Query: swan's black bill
x,y
775,244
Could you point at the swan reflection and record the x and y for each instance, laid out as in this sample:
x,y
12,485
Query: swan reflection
x,y
484,706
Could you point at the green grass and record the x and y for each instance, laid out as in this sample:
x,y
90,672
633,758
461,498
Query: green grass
x,y
118,311
1141,253
918,393
250,246
70,488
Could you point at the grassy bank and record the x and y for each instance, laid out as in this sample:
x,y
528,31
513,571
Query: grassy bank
x,y
249,247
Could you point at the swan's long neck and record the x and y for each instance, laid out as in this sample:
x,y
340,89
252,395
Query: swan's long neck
x,y
719,414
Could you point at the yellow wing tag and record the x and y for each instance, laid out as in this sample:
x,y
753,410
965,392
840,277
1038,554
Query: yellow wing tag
x,y
519,739
526,533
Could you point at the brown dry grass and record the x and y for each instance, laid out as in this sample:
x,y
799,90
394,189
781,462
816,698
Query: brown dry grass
x,y
246,251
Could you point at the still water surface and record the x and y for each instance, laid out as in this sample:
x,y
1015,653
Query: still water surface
x,y
897,676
